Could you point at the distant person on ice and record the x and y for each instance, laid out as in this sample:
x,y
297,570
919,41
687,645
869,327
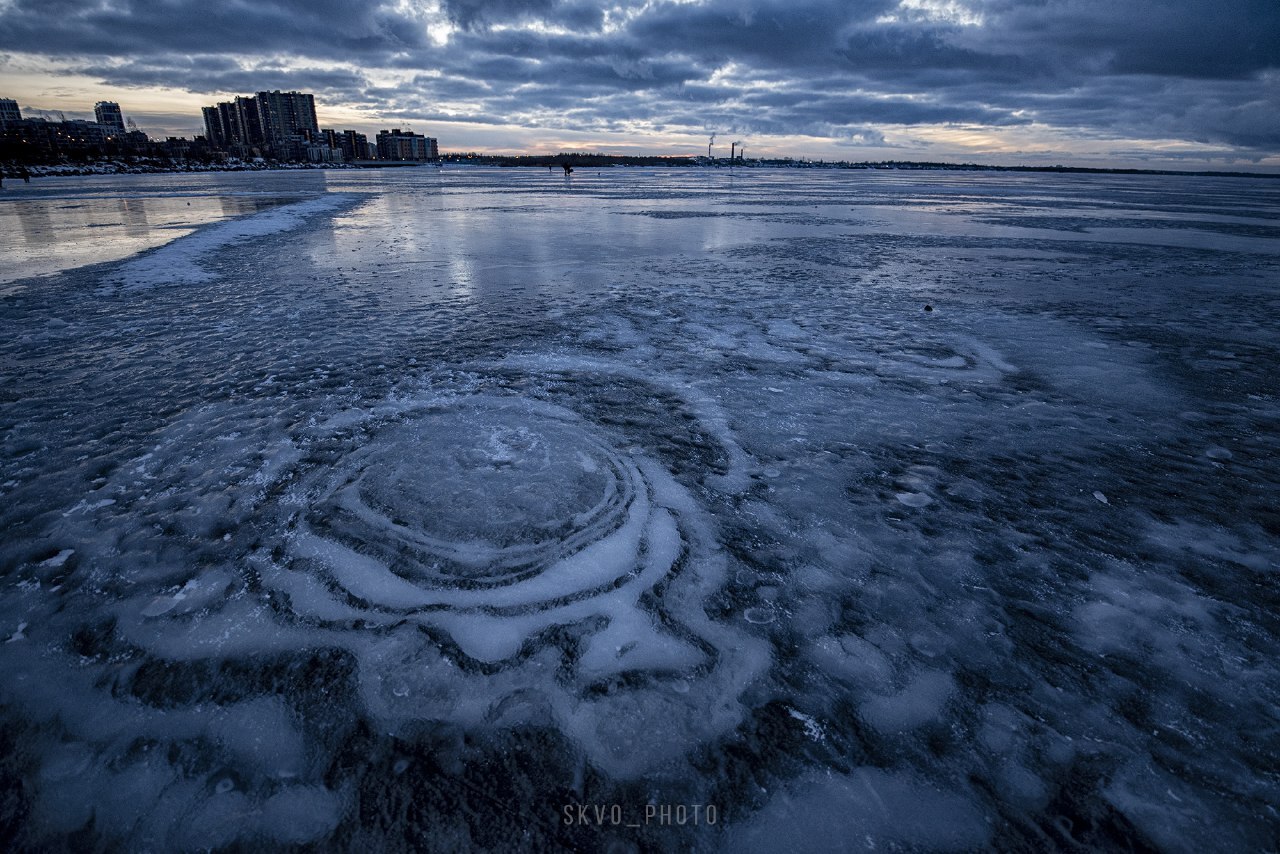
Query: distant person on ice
x,y
567,169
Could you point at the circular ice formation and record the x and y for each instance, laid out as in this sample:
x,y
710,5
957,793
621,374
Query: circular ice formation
x,y
553,553
490,507
474,497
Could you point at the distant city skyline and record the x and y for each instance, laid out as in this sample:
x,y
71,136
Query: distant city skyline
x,y
1179,84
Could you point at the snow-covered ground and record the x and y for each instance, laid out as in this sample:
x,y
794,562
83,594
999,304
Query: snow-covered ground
x,y
927,510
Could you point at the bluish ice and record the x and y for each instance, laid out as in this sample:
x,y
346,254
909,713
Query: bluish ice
x,y
405,508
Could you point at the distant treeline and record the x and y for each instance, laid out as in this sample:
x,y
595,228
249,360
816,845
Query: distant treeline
x,y
1088,170
575,158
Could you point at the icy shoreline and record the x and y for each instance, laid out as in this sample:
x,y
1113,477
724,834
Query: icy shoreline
x,y
121,167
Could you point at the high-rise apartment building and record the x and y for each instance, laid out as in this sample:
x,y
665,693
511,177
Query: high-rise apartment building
x,y
214,129
9,113
109,116
246,121
221,127
287,114
269,120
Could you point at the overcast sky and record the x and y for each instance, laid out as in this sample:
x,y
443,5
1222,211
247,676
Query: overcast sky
x,y
1189,83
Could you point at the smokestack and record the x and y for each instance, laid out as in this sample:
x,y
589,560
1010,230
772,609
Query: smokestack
x,y
709,142
732,146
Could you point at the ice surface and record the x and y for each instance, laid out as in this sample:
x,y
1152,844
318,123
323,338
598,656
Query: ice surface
x,y
178,263
920,702
431,501
59,224
868,810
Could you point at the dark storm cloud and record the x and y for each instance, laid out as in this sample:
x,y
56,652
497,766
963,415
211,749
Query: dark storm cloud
x,y
1193,70
929,53
772,33
320,28
219,73
813,108
1177,38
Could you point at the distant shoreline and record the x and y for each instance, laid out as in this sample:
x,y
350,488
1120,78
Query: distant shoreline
x,y
591,160
114,167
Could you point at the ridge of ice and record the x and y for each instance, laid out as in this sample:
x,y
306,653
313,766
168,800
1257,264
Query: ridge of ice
x,y
178,262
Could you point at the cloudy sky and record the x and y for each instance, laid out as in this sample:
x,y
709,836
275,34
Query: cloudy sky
x,y
1182,83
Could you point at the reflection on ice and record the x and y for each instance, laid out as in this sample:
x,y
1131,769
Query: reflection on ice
x,y
428,503
59,224
176,263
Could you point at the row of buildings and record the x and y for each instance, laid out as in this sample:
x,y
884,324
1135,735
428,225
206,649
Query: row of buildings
x,y
40,137
283,126
270,125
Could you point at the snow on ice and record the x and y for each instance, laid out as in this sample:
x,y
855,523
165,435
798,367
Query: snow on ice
x,y
403,508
